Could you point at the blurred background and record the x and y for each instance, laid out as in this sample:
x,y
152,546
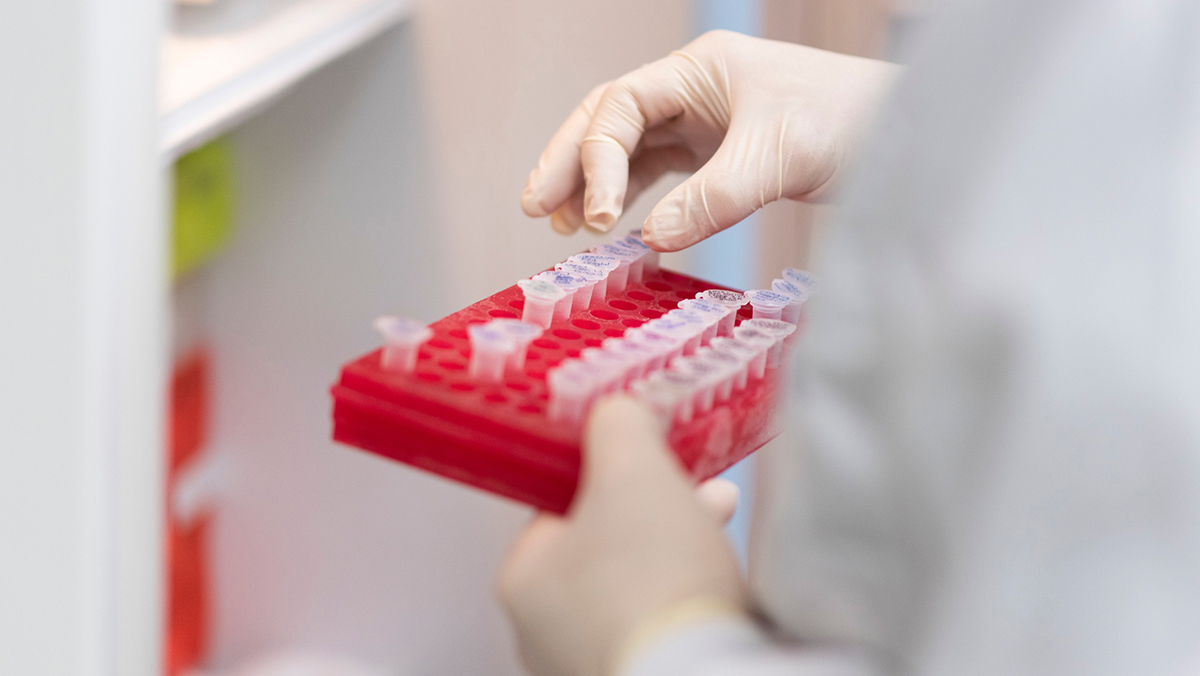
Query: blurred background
x,y
205,204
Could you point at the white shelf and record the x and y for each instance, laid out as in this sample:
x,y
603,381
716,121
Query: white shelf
x,y
223,63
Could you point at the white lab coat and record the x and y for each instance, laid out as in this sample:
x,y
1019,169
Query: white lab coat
x,y
994,460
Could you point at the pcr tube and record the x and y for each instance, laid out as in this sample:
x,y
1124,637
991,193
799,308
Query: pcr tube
x,y
801,278
777,329
522,334
730,366
687,384
767,304
540,298
568,283
698,323
729,299
761,343
401,340
490,347
742,352
661,346
707,376
616,365
651,259
712,312
591,276
605,263
638,355
687,334
637,270
571,391
618,278
791,312
662,396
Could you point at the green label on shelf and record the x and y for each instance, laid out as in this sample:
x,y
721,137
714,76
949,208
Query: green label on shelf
x,y
203,206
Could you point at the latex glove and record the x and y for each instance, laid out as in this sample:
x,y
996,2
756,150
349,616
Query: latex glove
x,y
756,120
638,542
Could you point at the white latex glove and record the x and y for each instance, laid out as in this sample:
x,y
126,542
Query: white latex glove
x,y
756,120
640,550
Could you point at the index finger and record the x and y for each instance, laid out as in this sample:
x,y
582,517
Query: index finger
x,y
629,106
558,173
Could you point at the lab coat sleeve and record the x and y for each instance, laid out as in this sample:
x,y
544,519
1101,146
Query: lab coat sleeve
x,y
738,647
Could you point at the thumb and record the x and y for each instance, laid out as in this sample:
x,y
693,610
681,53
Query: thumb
x,y
624,451
749,169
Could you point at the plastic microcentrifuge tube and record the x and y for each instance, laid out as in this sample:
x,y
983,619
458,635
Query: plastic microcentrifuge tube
x,y
662,397
402,339
586,296
568,283
767,304
698,323
791,312
686,333
618,278
541,297
637,269
650,262
687,384
801,278
605,263
712,312
761,343
728,364
637,354
661,346
742,352
616,365
522,334
729,299
571,391
490,347
777,329
707,376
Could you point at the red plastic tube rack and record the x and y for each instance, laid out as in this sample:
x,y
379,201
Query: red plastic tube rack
x,y
497,436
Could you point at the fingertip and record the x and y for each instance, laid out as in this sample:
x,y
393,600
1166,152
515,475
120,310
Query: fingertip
x,y
719,497
560,224
664,236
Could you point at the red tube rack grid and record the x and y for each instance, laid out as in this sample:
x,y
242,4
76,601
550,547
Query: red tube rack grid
x,y
497,436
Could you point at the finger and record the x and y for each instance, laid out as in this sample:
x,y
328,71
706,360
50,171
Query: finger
x,y
516,572
719,497
721,193
647,166
624,447
558,173
648,96
568,217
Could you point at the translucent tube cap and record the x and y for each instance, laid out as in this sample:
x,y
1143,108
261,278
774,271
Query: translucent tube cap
x,y
402,337
767,304
772,327
597,260
790,289
540,299
801,278
725,297
522,334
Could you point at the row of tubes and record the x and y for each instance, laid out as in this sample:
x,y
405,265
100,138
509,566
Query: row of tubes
x,y
586,280
689,360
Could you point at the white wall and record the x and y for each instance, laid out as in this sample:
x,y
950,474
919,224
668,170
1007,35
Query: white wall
x,y
500,77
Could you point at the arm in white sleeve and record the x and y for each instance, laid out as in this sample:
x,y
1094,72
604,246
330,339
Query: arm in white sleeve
x,y
738,647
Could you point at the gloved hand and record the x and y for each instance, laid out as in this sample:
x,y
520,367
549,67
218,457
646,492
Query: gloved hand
x,y
639,542
757,120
